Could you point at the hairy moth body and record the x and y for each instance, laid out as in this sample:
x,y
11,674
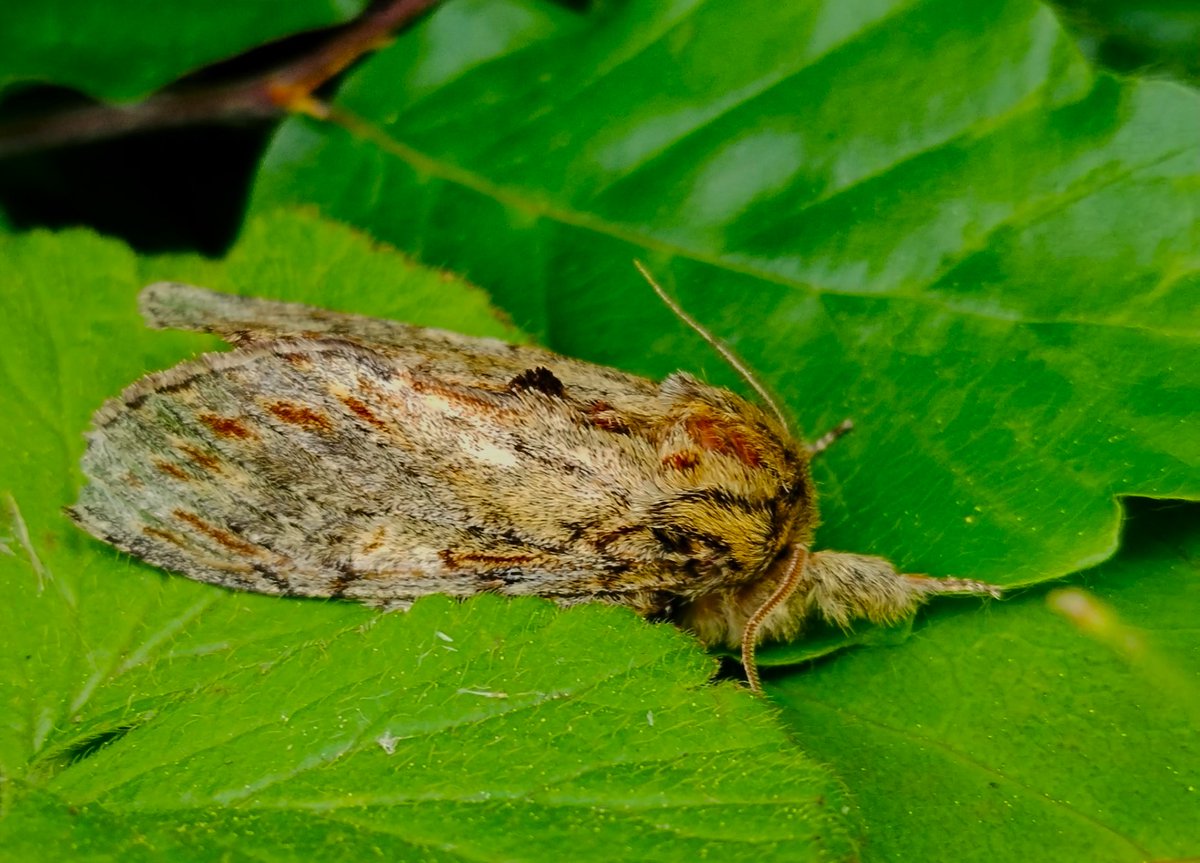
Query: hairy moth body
x,y
337,455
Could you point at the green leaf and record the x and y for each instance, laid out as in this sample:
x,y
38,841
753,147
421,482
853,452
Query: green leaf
x,y
1017,717
932,217
148,717
121,53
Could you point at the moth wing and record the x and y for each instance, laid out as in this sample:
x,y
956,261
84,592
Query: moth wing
x,y
318,466
242,320
463,360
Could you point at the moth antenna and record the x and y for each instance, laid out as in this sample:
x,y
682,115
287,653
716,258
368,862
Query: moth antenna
x,y
720,347
783,592
824,441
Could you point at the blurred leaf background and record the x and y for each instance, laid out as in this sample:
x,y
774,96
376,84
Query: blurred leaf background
x,y
952,224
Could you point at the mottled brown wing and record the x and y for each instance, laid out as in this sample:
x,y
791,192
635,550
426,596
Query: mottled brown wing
x,y
408,462
452,357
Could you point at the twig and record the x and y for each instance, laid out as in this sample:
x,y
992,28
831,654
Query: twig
x,y
265,96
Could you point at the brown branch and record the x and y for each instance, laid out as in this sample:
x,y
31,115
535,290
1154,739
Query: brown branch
x,y
266,96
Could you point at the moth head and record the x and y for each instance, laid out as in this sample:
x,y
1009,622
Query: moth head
x,y
734,483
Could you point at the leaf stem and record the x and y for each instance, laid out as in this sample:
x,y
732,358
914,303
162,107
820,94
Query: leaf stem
x,y
266,95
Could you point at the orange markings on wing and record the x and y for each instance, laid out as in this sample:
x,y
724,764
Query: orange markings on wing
x,y
721,434
360,409
224,537
200,458
227,427
172,470
375,542
165,535
304,417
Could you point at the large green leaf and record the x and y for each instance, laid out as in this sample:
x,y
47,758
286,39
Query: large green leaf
x,y
150,717
126,51
933,217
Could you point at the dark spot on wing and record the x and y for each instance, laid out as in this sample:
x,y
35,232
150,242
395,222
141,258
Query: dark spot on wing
x,y
345,578
672,541
275,579
540,380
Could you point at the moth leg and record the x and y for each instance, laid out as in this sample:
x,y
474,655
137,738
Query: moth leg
x,y
824,441
845,587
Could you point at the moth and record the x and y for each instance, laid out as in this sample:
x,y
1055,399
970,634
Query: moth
x,y
335,455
